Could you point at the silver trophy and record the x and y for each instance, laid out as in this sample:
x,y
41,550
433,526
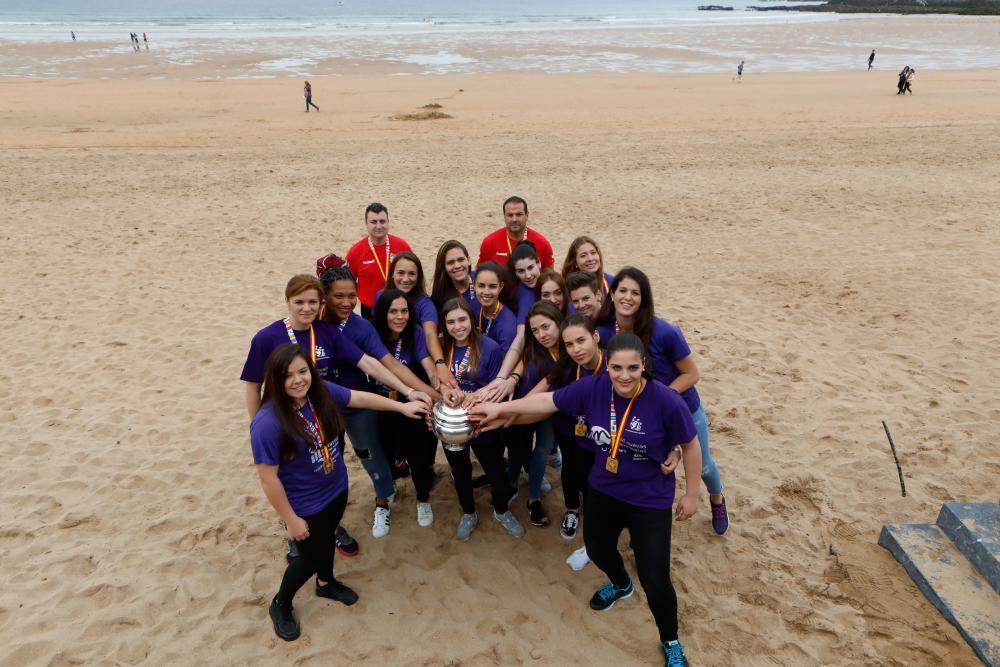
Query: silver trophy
x,y
452,426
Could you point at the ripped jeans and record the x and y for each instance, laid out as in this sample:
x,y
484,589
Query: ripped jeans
x,y
362,430
709,471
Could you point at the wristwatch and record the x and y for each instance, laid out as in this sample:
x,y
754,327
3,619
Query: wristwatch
x,y
439,360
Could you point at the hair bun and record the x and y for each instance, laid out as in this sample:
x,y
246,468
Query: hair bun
x,y
330,261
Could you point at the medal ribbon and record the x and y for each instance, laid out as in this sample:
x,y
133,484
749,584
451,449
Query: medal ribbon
x,y
510,248
318,438
489,321
597,369
385,271
604,280
463,364
312,339
616,435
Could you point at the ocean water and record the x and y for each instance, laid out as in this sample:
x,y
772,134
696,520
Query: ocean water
x,y
412,37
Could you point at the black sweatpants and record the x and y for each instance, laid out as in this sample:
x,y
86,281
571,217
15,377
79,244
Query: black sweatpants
x,y
649,530
489,451
315,552
402,437
576,465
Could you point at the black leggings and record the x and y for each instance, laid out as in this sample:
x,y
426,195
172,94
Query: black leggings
x,y
576,465
489,451
409,438
519,439
649,530
315,552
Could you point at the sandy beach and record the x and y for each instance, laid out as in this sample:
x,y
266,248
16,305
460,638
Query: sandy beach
x,y
831,251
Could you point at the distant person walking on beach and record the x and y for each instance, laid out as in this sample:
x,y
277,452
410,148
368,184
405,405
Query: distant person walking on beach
x,y
73,35
909,81
871,59
739,71
145,41
901,83
307,90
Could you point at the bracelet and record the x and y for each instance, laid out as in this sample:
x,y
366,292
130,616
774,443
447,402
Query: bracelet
x,y
409,393
501,378
517,375
439,360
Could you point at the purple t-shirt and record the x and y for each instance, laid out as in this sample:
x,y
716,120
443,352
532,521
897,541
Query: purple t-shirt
x,y
564,423
362,333
332,350
501,329
525,297
659,420
490,360
410,356
531,375
667,346
308,488
423,309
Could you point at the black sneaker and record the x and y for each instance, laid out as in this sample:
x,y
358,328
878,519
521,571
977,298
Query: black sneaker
x,y
292,551
570,523
346,545
335,590
608,594
537,514
285,625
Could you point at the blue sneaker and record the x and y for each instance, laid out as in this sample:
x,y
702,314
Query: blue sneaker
x,y
675,654
608,594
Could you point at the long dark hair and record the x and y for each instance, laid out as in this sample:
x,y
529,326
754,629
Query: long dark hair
x,y
559,375
442,288
448,343
419,289
569,265
644,315
381,319
535,353
505,279
292,426
523,250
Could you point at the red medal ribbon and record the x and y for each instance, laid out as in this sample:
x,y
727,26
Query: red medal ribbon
x,y
616,435
315,429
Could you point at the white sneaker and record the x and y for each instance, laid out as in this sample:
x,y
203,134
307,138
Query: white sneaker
x,y
510,524
425,515
578,559
380,527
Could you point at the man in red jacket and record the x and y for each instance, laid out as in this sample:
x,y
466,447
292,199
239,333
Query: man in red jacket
x,y
369,258
498,245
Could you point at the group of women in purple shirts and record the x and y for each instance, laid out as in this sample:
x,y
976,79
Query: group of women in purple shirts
x,y
573,360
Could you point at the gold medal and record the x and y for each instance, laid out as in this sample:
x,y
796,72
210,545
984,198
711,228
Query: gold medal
x,y
611,465
327,465
581,429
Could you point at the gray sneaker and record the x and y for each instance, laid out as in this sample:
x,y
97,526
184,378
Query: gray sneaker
x,y
466,525
510,524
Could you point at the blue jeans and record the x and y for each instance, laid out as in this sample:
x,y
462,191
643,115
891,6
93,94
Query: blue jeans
x,y
709,471
535,462
362,429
